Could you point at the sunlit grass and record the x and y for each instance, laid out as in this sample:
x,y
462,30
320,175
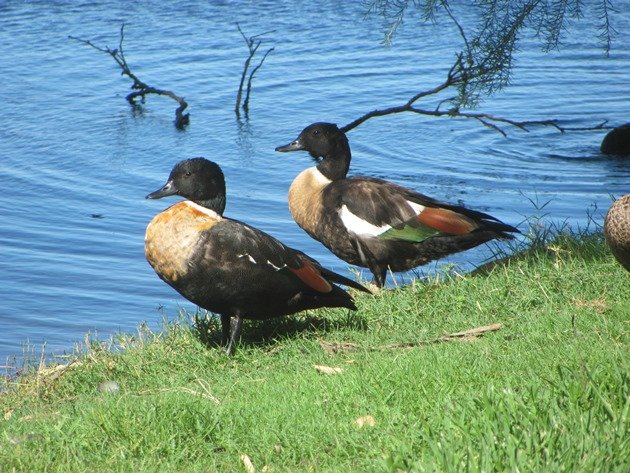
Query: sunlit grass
x,y
549,391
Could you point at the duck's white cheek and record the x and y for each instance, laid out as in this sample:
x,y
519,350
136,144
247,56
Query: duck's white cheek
x,y
355,224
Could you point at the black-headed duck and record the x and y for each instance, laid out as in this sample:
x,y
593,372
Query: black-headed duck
x,y
617,230
374,223
229,267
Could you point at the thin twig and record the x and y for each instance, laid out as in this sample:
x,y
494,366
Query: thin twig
x,y
466,334
140,89
473,333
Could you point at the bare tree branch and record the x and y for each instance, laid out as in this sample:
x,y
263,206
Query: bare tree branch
x,y
252,45
488,120
484,66
251,77
140,89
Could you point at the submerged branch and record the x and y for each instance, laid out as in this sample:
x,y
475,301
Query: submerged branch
x,y
251,77
140,88
253,43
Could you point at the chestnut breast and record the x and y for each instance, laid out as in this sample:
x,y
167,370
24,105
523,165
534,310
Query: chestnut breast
x,y
172,236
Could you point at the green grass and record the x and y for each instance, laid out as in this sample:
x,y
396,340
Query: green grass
x,y
549,391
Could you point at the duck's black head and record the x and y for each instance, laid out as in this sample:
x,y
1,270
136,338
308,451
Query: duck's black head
x,y
326,141
197,179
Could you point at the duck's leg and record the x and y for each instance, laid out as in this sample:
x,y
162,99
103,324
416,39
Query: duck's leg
x,y
379,276
225,329
235,325
369,261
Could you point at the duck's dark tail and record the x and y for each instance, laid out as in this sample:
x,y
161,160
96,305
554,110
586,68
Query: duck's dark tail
x,y
339,279
486,222
503,230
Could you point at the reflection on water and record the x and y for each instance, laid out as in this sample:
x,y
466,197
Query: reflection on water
x,y
77,161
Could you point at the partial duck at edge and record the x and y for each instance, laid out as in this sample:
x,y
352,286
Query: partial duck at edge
x,y
617,230
226,266
374,223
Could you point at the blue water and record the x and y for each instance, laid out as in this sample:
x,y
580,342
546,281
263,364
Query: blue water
x,y
76,161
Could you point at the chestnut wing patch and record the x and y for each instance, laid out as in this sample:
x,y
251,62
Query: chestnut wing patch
x,y
446,221
311,276
431,222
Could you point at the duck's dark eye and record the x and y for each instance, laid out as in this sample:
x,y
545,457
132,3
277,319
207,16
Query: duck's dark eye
x,y
316,132
188,173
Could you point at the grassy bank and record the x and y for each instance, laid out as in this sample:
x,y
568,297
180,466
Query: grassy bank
x,y
548,390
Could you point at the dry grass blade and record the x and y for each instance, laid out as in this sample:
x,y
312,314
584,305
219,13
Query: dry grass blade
x,y
365,421
328,369
51,373
472,333
337,347
249,466
467,335
205,393
596,305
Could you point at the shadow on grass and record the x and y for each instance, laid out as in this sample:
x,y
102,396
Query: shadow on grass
x,y
268,333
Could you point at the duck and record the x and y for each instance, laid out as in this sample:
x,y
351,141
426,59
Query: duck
x,y
226,266
617,230
374,223
617,141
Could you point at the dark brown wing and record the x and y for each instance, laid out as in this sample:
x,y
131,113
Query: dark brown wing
x,y
385,210
268,253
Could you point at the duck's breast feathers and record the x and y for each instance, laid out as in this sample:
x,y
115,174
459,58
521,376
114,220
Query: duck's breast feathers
x,y
184,220
173,235
377,208
305,198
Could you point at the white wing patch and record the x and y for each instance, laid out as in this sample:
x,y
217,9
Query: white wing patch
x,y
277,268
248,256
359,226
252,260
417,208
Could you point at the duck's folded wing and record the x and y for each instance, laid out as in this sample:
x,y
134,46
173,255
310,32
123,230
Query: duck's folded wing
x,y
258,248
371,207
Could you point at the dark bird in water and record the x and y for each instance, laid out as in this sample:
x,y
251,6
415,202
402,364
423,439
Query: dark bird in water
x,y
226,266
617,230
617,141
374,223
